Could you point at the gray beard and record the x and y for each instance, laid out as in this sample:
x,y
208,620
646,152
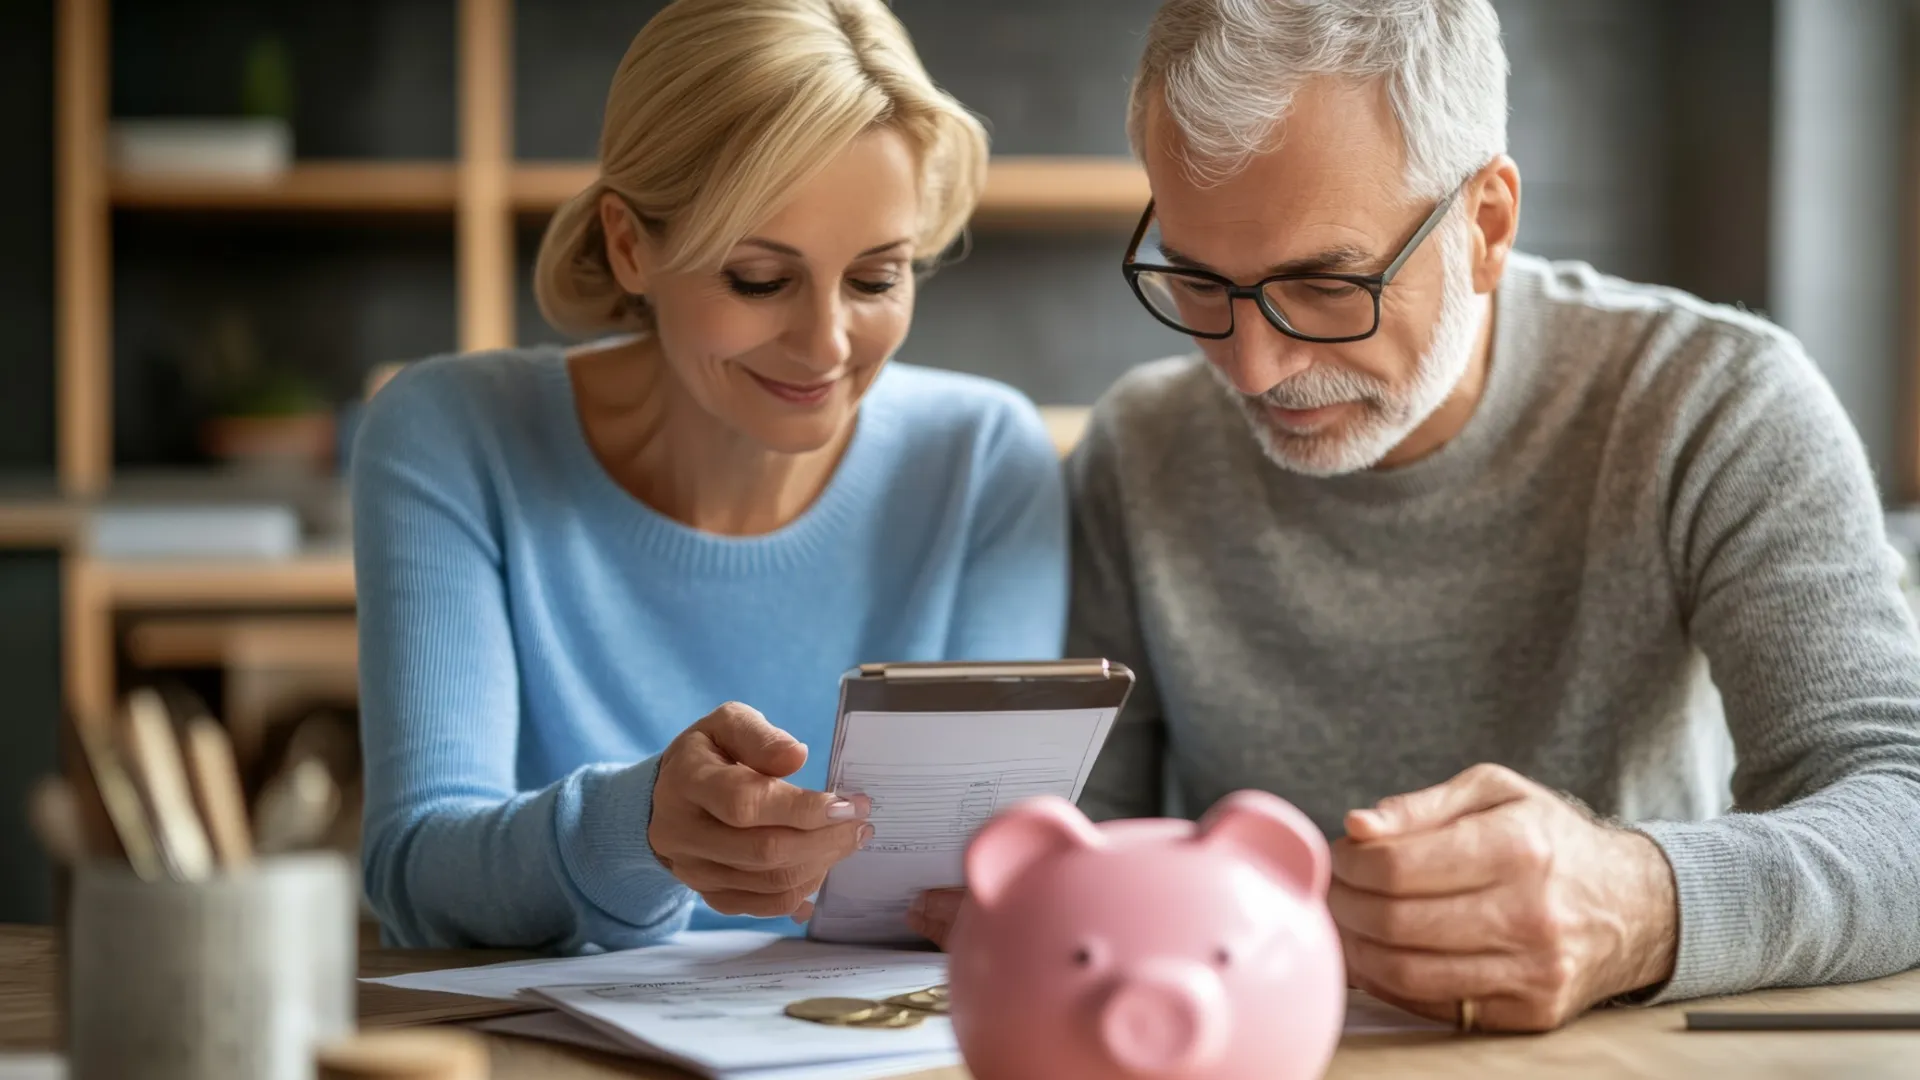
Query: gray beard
x,y
1387,414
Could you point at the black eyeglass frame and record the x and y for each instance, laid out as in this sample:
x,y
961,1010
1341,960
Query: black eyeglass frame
x,y
1375,284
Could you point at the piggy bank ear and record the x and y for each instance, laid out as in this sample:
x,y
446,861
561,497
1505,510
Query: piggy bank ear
x,y
1020,836
1271,831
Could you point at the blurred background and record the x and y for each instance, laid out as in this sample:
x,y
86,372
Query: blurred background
x,y
225,219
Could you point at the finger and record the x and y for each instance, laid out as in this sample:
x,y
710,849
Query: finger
x,y
1445,1012
705,875
932,913
742,798
803,912
1434,977
1495,1013
1487,921
767,847
1479,788
760,905
742,735
937,908
1476,852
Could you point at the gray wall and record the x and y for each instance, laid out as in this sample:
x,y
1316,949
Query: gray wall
x,y
1842,220
29,582
29,723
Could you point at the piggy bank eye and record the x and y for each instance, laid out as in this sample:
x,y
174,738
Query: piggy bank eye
x,y
1222,956
1088,956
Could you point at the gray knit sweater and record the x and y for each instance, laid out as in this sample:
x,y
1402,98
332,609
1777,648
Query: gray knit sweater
x,y
1651,488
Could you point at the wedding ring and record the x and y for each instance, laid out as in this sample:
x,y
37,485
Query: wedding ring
x,y
1468,1014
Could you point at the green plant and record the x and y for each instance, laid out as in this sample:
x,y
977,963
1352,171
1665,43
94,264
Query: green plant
x,y
266,82
234,380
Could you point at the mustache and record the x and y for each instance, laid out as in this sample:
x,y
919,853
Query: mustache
x,y
1318,387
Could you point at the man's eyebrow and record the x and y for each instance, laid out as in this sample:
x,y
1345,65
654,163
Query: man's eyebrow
x,y
788,249
1345,259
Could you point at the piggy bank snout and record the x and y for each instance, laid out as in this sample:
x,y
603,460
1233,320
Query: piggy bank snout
x,y
1162,1017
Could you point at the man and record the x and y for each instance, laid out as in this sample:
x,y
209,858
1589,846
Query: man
x,y
1440,543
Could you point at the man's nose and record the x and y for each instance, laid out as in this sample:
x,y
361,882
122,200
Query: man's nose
x,y
1259,356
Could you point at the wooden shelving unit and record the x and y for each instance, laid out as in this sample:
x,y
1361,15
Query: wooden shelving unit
x,y
1045,192
484,189
402,187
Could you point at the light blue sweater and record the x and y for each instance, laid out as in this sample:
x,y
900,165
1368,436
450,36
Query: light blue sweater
x,y
531,636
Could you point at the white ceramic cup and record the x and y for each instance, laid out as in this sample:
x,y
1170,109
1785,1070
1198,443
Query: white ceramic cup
x,y
234,978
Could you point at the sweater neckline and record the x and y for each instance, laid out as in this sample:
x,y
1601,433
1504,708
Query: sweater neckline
x,y
818,528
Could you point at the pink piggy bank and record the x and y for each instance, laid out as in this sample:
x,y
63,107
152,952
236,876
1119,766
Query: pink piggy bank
x,y
1147,948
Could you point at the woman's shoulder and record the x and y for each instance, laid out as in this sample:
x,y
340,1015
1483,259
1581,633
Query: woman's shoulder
x,y
451,412
453,384
943,412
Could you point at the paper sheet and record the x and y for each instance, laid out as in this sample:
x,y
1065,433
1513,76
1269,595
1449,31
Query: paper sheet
x,y
729,1017
562,1028
686,952
934,779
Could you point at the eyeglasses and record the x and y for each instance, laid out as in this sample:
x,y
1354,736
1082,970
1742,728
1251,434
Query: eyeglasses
x,y
1323,307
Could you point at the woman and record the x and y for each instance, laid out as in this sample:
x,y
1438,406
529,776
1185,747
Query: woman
x,y
569,560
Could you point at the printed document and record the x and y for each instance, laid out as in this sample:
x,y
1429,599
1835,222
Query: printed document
x,y
934,778
687,952
731,1017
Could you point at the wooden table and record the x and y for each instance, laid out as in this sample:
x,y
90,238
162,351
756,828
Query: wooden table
x,y
1612,1043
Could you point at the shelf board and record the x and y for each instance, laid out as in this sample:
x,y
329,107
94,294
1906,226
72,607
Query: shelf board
x,y
1091,191
319,579
33,513
539,187
1020,190
1094,191
409,186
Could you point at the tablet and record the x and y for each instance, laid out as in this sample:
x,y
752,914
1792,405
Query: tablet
x,y
939,748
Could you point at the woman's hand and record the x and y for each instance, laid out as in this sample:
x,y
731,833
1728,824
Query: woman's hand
x,y
933,912
725,824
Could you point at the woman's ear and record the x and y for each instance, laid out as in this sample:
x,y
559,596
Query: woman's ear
x,y
629,248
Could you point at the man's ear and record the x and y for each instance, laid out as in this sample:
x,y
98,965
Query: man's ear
x,y
1493,200
629,248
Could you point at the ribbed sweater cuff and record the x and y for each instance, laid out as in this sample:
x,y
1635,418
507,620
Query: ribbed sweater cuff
x,y
1721,947
609,851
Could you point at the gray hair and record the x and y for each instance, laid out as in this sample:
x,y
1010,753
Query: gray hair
x,y
1228,71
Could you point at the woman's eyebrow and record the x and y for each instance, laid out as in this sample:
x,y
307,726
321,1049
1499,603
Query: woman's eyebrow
x,y
788,249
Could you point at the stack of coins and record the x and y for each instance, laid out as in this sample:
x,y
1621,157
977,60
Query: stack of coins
x,y
931,1000
899,1011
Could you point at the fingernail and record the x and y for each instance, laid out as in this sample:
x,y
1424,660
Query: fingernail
x,y
841,810
1372,819
866,834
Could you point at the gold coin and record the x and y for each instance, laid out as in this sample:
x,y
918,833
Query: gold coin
x,y
921,1000
890,1016
833,1010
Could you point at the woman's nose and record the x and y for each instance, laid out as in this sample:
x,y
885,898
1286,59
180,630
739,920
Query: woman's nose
x,y
824,338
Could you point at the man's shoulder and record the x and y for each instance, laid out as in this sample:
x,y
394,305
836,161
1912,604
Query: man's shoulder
x,y
1669,336
1156,401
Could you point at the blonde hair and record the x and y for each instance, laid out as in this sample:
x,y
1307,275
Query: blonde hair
x,y
720,109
